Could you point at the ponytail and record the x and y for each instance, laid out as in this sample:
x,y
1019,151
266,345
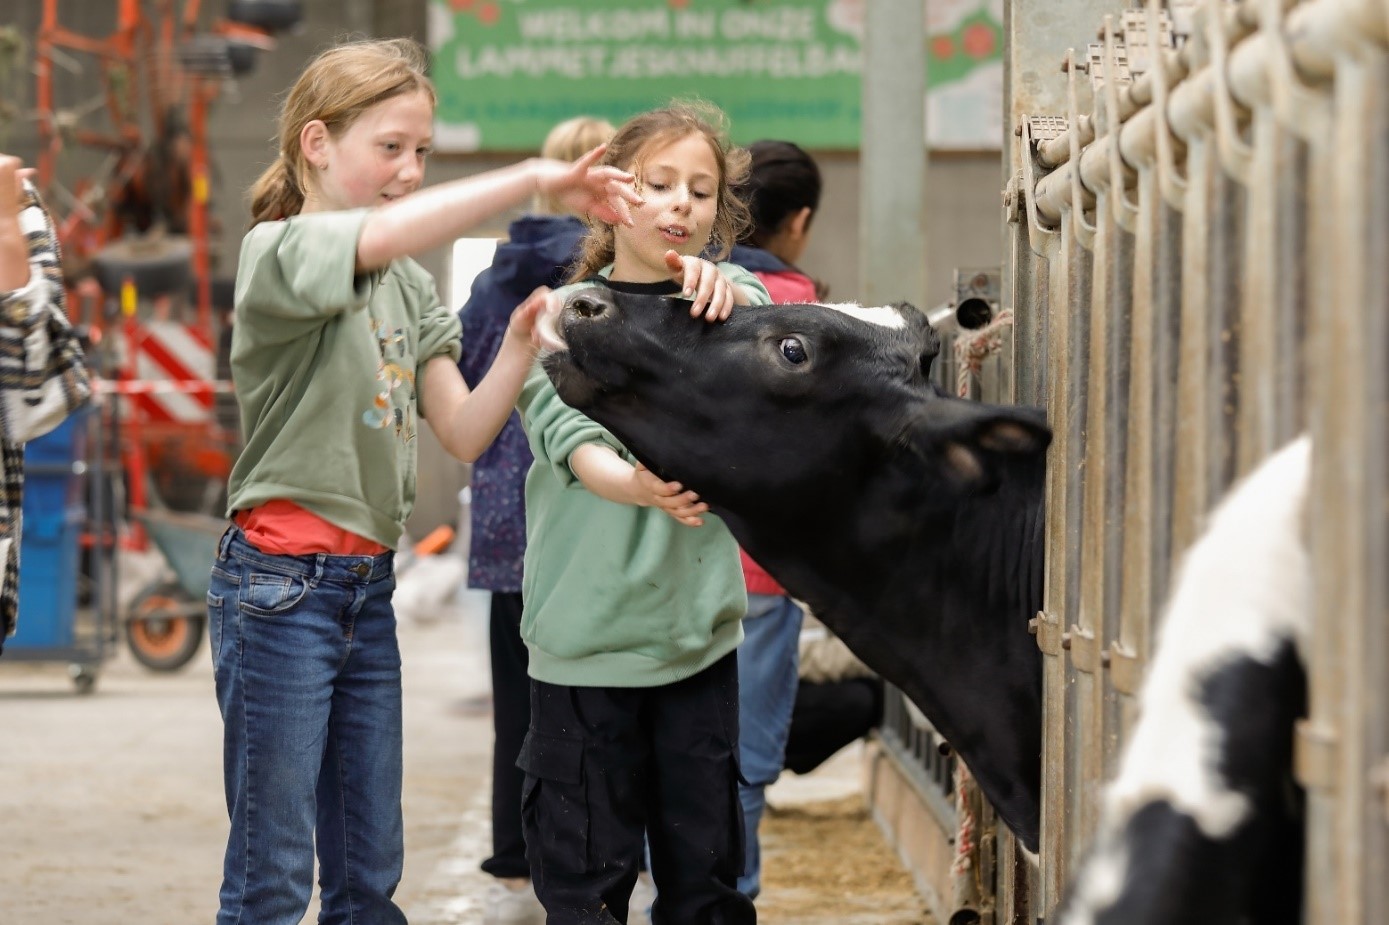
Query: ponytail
x,y
275,195
598,250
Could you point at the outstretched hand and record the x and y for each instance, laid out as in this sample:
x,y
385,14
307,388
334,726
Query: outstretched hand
x,y
702,282
603,191
671,497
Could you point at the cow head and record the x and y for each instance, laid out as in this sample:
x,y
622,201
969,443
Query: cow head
x,y
908,520
794,393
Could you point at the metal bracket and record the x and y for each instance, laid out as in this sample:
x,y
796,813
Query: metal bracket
x,y
1014,205
1081,230
1084,648
1315,751
1125,670
1170,182
1046,128
1133,25
1047,629
1125,212
1098,69
1037,233
1235,153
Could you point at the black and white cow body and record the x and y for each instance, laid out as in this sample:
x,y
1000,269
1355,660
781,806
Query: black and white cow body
x,y
910,522
1203,822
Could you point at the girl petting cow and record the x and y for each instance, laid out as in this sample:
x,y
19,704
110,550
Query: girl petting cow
x,y
631,617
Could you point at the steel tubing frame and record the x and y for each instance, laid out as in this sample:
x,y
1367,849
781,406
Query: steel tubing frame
x,y
1199,265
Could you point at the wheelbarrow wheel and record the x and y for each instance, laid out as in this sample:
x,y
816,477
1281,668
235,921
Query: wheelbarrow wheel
x,y
161,635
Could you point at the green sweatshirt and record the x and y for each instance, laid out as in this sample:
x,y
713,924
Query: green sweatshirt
x,y
327,367
618,595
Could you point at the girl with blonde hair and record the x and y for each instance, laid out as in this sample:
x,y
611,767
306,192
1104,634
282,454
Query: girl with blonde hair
x,y
340,346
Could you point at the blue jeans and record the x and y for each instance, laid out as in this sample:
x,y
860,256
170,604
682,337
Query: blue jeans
x,y
307,674
767,676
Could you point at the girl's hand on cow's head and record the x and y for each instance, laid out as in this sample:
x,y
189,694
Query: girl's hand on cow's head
x,y
702,282
670,497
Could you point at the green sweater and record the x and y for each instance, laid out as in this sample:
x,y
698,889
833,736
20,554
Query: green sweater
x,y
618,595
327,367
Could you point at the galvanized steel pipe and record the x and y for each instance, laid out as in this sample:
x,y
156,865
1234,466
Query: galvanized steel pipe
x,y
1314,34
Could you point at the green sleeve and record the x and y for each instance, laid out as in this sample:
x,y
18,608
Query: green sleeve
x,y
757,293
303,268
556,430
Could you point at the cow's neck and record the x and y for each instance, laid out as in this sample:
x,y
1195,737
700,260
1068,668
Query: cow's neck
x,y
939,609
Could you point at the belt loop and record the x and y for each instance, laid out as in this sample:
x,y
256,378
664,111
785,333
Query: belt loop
x,y
318,562
225,542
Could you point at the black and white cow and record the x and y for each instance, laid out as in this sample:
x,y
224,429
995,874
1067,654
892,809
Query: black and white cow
x,y
910,522
1203,822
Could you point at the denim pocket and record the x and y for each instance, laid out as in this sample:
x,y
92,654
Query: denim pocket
x,y
268,594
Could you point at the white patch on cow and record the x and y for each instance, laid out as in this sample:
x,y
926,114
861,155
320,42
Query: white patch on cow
x,y
1106,872
884,316
1243,589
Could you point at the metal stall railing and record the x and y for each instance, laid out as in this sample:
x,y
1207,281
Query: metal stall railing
x,y
1199,270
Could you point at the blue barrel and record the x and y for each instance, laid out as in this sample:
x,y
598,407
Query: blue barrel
x,y
54,513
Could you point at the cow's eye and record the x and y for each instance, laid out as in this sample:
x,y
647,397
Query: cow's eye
x,y
793,350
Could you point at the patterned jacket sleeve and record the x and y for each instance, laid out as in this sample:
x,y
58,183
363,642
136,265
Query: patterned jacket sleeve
x,y
43,372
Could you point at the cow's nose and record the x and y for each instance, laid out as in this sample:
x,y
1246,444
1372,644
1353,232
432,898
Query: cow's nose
x,y
587,306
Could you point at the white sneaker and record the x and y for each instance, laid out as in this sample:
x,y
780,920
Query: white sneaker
x,y
505,906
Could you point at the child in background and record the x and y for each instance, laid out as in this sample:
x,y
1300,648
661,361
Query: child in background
x,y
782,193
340,345
633,604
540,251
44,377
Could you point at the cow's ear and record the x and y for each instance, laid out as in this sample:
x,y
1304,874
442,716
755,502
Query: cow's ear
x,y
930,340
970,441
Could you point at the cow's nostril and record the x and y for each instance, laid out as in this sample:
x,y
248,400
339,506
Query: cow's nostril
x,y
587,306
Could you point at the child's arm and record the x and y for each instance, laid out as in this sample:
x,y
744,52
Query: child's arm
x,y
609,476
712,293
435,215
466,422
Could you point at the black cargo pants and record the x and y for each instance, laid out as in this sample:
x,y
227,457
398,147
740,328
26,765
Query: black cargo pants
x,y
605,766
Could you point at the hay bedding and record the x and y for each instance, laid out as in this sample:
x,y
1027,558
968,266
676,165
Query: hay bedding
x,y
827,862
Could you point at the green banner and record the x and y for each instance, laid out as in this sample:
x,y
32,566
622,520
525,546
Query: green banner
x,y
509,70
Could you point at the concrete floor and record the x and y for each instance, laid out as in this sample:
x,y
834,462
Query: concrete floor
x,y
111,807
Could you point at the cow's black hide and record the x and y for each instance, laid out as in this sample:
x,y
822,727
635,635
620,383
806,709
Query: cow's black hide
x,y
909,521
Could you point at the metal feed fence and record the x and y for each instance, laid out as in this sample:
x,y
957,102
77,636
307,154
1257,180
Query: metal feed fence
x,y
1198,264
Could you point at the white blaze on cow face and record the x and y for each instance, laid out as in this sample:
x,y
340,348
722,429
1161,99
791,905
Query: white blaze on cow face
x,y
1244,590
884,316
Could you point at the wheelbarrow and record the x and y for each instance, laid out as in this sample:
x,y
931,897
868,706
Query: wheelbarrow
x,y
165,622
